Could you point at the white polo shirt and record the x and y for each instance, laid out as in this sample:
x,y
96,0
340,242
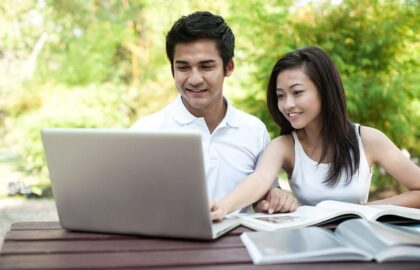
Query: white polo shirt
x,y
230,152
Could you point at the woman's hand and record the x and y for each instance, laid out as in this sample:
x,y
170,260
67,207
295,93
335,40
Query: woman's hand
x,y
277,201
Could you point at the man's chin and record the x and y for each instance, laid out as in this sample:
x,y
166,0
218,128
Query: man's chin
x,y
194,103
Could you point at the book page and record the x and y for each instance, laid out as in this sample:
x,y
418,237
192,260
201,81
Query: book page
x,y
411,228
303,216
364,211
391,213
382,213
402,243
399,253
310,244
383,241
391,234
358,233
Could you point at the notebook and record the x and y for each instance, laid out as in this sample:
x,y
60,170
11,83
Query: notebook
x,y
131,182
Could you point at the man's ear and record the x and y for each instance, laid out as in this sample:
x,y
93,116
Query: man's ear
x,y
229,68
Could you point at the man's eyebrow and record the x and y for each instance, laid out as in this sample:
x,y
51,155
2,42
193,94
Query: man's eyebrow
x,y
207,61
180,62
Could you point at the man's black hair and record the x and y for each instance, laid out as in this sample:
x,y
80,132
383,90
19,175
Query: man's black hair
x,y
201,25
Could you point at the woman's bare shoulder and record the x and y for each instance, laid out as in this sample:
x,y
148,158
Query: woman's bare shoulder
x,y
285,145
372,136
284,140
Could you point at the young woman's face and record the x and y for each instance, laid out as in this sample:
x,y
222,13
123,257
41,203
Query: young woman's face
x,y
298,98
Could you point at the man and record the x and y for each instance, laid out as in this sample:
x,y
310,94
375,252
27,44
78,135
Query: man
x,y
200,48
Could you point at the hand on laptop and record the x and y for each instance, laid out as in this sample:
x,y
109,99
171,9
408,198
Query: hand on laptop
x,y
277,200
216,212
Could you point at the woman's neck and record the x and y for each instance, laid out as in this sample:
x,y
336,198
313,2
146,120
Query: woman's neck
x,y
310,135
312,143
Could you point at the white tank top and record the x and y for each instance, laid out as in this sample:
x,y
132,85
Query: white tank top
x,y
308,176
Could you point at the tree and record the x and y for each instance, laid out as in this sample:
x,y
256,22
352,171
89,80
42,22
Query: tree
x,y
375,47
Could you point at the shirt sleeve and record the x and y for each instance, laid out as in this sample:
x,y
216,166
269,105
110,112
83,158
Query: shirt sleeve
x,y
150,122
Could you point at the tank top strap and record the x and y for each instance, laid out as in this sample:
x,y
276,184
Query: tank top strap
x,y
295,136
357,131
296,139
298,147
356,128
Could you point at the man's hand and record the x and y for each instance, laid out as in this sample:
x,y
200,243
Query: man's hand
x,y
216,212
277,200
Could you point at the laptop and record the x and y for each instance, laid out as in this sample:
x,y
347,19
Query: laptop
x,y
131,182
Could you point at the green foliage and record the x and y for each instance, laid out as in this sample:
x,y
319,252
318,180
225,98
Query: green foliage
x,y
379,68
264,36
103,64
87,107
88,58
87,43
375,47
373,54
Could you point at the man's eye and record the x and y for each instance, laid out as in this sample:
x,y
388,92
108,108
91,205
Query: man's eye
x,y
182,68
207,67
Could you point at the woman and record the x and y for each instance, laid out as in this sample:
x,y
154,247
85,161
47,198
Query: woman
x,y
324,154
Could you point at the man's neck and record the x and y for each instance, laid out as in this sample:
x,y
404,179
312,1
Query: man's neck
x,y
212,115
215,116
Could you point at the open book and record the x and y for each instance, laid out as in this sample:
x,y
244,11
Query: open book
x,y
329,214
353,240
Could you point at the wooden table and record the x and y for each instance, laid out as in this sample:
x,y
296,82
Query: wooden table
x,y
45,245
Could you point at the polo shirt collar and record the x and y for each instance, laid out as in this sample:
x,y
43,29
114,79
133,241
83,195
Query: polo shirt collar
x,y
184,117
180,114
230,118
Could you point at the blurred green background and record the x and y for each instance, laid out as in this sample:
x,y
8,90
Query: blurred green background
x,y
102,63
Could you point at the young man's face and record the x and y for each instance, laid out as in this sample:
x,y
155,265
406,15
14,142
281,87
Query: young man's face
x,y
199,75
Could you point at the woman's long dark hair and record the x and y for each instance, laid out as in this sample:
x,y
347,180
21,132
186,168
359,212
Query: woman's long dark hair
x,y
337,132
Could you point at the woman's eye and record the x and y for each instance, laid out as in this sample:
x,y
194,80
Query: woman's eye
x,y
297,92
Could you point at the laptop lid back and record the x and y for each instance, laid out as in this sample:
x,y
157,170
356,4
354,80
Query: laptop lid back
x,y
126,181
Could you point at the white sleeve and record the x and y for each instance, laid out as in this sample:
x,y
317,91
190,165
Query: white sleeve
x,y
150,122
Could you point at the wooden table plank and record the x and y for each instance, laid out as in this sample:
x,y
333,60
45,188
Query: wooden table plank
x,y
56,246
44,245
231,260
64,235
302,266
127,259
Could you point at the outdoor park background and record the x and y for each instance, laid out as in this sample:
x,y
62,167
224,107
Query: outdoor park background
x,y
102,63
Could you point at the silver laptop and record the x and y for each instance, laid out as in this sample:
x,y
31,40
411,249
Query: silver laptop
x,y
131,182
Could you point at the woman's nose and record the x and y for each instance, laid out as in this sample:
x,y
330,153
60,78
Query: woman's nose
x,y
289,103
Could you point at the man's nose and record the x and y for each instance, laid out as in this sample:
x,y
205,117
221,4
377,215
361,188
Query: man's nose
x,y
195,77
